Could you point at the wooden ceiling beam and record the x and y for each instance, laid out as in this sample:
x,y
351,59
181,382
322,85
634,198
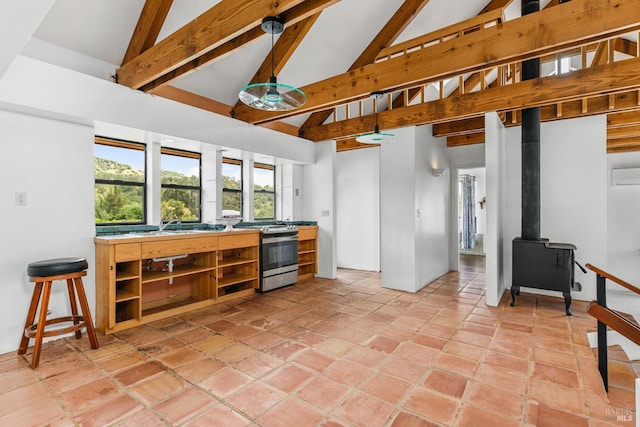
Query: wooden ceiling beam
x,y
387,35
221,23
624,132
582,21
625,118
612,150
594,105
351,144
152,17
623,145
467,139
193,100
443,34
459,127
495,4
611,78
290,17
624,142
198,101
625,46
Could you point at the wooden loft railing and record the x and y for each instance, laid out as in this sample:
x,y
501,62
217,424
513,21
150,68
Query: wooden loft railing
x,y
590,54
476,23
607,317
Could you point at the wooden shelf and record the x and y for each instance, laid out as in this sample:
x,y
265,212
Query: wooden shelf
x,y
302,264
154,276
307,252
235,261
234,278
120,278
125,296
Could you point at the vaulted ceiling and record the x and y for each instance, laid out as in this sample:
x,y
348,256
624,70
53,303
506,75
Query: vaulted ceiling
x,y
440,62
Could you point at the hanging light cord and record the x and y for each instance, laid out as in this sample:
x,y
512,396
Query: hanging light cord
x,y
273,55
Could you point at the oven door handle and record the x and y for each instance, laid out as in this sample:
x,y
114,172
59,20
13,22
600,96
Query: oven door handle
x,y
279,239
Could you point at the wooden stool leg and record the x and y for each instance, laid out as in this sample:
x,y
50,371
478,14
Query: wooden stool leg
x,y
42,321
31,315
74,305
86,313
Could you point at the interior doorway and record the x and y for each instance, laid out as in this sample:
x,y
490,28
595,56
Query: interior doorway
x,y
472,218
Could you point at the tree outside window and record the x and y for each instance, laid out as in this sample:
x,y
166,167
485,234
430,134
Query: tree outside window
x,y
181,185
264,195
231,187
119,169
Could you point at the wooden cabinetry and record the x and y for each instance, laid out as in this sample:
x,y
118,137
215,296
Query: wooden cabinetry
x,y
143,279
238,266
307,251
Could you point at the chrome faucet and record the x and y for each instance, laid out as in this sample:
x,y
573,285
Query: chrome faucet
x,y
162,225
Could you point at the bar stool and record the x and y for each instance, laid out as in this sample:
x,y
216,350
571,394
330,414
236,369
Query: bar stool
x,y
43,273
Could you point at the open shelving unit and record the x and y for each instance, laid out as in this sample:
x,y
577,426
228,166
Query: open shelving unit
x,y
238,269
142,280
307,252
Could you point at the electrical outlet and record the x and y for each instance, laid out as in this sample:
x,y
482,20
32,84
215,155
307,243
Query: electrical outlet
x,y
21,198
324,213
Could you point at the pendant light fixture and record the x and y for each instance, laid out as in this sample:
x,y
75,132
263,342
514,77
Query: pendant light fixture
x,y
376,137
271,95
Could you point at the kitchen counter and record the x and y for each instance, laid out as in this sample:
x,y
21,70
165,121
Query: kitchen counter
x,y
168,235
144,277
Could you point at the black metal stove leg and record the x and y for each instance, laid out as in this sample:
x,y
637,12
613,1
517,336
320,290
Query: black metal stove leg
x,y
567,302
515,290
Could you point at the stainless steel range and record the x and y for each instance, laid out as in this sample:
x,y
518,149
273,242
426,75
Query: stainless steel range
x,y
278,256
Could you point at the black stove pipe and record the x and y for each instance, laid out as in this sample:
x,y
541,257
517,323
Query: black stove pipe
x,y
530,148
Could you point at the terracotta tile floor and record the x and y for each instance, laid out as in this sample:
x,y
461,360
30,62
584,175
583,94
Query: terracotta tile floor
x,y
326,353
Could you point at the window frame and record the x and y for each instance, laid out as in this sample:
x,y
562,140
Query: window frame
x,y
191,155
119,143
271,168
231,161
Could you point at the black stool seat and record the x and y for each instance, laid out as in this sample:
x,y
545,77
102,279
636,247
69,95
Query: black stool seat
x,y
57,266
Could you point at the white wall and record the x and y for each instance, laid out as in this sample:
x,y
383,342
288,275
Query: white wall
x,y
414,213
33,85
397,211
52,162
623,227
318,193
573,192
432,226
358,209
495,158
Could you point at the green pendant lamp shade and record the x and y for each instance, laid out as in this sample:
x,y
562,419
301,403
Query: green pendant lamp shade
x,y
376,137
271,95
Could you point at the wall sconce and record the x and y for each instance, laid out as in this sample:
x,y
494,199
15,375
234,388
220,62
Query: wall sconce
x,y
438,172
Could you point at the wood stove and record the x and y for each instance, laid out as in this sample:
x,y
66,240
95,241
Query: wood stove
x,y
542,264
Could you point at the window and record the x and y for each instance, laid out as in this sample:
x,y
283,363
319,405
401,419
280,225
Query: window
x,y
181,193
264,195
231,187
119,182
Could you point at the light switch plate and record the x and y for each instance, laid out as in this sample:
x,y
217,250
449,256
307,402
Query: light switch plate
x,y
21,198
